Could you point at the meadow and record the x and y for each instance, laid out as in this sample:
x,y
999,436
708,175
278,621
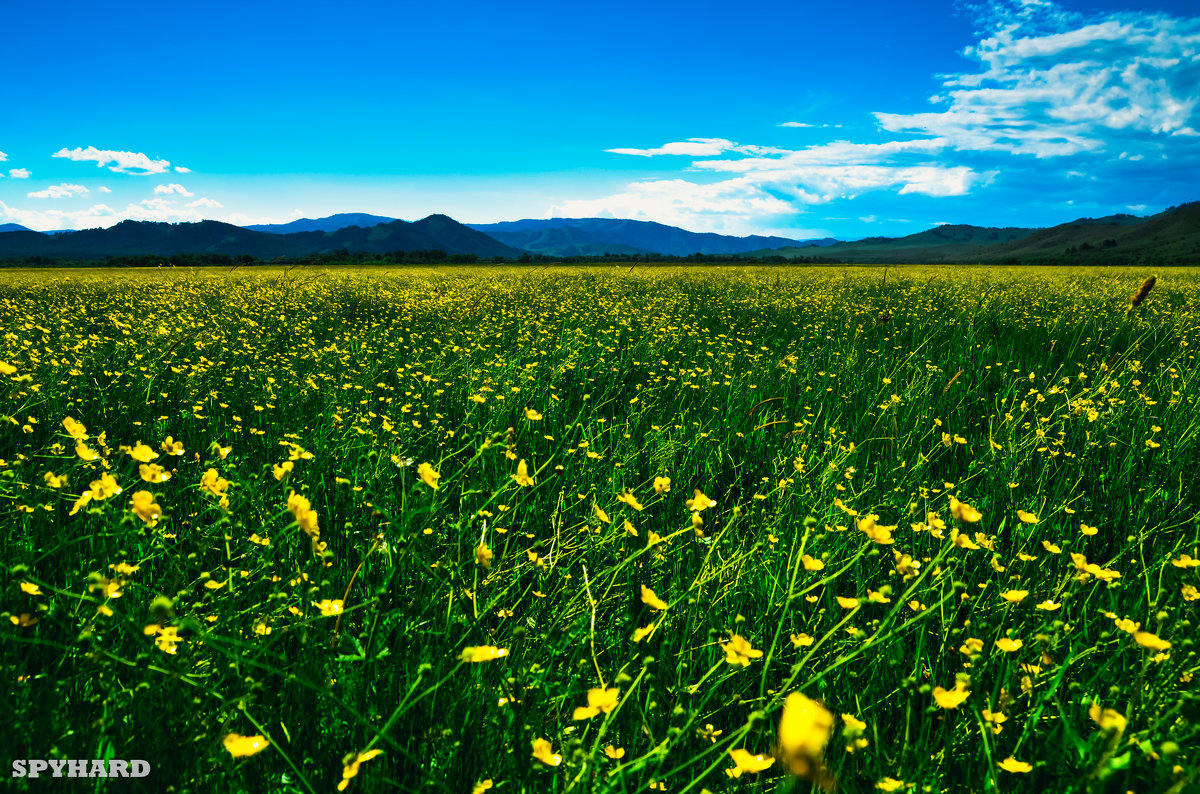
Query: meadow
x,y
927,529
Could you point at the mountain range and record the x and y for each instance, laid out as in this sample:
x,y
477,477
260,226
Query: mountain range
x,y
1170,237
145,238
599,236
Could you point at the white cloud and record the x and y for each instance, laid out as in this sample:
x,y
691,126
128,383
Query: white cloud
x,y
59,191
119,162
203,202
181,170
103,189
52,220
3,157
1111,92
19,173
1059,92
693,147
729,207
166,190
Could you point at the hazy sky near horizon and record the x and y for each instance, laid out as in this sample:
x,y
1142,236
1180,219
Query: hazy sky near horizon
x,y
796,118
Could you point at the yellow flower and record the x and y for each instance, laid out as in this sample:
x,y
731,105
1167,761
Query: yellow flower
x,y
30,588
951,698
522,476
971,647
1014,596
85,452
213,483
801,640
1027,518
482,786
876,532
483,556
811,564
1050,547
847,603
629,499
662,484
651,600
242,746
53,480
699,502
428,475
803,732
1085,529
964,512
350,766
330,607
1011,764
853,724
1185,561
165,638
542,752
302,510
739,652
483,653
890,784
75,430
144,507
104,487
1047,606
615,753
748,763
599,700
1151,641
282,470
140,452
1109,720
172,447
153,473
644,632
1008,645
532,415
600,514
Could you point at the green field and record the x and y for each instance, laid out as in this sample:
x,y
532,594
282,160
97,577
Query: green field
x,y
589,529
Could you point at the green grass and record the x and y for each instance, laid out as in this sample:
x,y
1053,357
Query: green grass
x,y
800,401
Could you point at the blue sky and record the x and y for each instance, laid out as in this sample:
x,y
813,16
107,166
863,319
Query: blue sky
x,y
795,118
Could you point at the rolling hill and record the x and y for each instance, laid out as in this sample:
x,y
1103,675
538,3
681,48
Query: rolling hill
x,y
597,236
329,224
140,238
1170,237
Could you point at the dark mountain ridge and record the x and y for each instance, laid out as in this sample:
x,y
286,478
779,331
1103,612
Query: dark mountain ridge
x,y
142,238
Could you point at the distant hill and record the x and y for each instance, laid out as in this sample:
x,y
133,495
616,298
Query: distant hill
x,y
597,236
941,243
13,227
330,224
140,238
1171,237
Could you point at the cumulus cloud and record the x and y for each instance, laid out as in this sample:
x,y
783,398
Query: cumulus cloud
x,y
203,202
52,220
117,161
1054,94
166,190
181,170
729,207
1098,97
19,173
104,189
59,191
3,157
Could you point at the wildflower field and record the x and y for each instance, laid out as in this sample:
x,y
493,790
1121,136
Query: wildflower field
x,y
601,529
